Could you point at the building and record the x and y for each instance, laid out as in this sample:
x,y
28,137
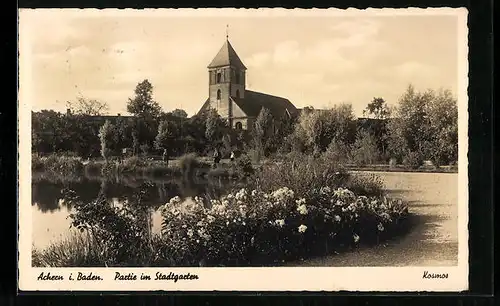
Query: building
x,y
230,98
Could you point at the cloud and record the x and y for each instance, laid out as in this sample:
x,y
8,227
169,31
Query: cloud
x,y
258,60
415,69
286,52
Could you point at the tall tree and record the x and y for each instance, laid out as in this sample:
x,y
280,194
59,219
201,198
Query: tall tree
x,y
179,113
262,130
425,124
215,127
89,107
317,128
377,109
164,136
106,136
143,103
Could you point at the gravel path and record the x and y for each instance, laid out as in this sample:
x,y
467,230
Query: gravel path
x,y
433,241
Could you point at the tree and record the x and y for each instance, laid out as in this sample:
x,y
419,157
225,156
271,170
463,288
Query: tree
x,y
214,127
318,127
226,141
179,113
143,104
105,135
262,130
364,150
425,125
89,107
164,136
378,109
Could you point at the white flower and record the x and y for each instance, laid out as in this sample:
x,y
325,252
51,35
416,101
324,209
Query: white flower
x,y
225,202
355,237
283,194
243,223
227,222
241,195
254,193
337,218
190,233
184,226
302,228
200,223
197,241
380,227
302,209
300,201
280,222
325,190
229,196
386,216
210,218
175,200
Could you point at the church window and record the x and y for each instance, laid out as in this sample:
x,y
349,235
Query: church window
x,y
219,77
218,94
238,126
237,93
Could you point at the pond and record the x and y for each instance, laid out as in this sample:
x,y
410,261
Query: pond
x,y
50,212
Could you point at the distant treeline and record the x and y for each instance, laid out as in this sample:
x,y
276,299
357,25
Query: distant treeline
x,y
422,127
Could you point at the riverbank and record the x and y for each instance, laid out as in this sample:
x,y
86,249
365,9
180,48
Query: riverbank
x,y
184,166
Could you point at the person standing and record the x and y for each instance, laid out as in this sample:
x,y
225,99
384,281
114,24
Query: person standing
x,y
216,157
165,156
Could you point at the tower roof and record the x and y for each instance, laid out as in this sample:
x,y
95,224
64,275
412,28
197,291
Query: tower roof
x,y
227,57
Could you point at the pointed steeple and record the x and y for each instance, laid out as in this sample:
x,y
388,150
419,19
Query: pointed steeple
x,y
227,57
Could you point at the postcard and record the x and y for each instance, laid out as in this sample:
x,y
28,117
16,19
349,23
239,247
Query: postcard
x,y
243,150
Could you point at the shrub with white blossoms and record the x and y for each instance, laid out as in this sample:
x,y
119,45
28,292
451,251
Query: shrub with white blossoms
x,y
246,225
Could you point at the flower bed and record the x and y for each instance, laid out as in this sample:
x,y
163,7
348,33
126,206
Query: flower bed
x,y
259,228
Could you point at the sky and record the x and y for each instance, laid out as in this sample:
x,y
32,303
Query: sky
x,y
311,59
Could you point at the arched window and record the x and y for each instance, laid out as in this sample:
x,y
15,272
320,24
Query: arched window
x,y
218,94
219,77
238,126
238,93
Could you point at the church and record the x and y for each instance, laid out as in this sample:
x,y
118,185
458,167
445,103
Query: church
x,y
230,98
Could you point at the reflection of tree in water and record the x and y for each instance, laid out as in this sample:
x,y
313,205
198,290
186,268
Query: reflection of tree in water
x,y
46,194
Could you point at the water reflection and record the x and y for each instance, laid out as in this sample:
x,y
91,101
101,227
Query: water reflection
x,y
51,209
47,195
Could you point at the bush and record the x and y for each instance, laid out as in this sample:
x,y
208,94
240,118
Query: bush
x,y
337,151
366,184
77,250
259,228
243,167
60,164
36,163
413,160
299,172
133,163
122,233
189,164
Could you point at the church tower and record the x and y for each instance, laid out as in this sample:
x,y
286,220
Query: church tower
x,y
226,81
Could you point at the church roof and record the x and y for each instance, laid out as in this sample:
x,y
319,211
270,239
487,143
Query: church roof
x,y
227,57
255,101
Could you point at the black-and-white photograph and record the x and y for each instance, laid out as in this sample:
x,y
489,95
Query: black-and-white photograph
x,y
244,139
